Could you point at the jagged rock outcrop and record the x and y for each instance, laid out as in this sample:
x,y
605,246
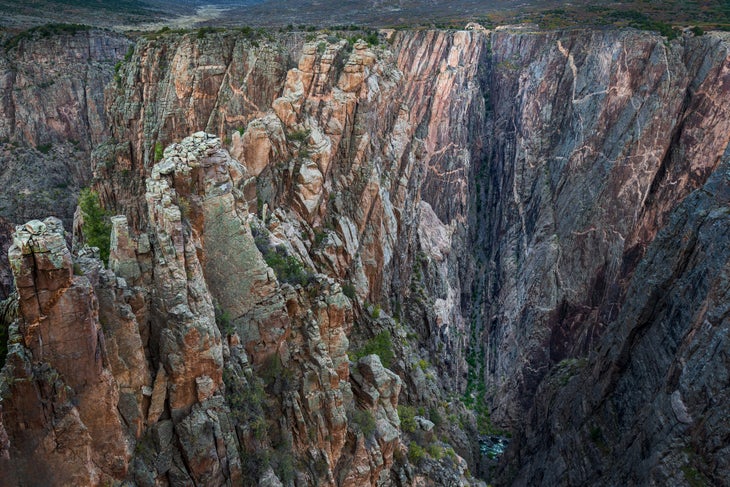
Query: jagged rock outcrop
x,y
376,389
179,84
335,169
59,397
496,213
52,113
293,337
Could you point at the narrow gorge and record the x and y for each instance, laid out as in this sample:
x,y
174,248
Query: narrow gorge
x,y
450,257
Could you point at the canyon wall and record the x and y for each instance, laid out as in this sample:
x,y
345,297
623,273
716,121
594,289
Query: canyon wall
x,y
526,218
597,136
52,114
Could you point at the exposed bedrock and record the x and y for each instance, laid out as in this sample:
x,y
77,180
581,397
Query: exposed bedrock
x,y
523,225
59,394
52,114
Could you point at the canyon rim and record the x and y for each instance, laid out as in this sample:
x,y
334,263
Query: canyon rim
x,y
411,257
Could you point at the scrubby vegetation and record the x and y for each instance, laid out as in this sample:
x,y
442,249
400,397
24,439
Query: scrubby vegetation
x,y
363,419
204,31
97,227
298,135
348,289
407,416
380,345
44,31
415,453
223,320
159,151
665,20
287,268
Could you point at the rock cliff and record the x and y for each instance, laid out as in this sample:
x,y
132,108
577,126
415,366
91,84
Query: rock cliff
x,y
366,257
52,114
60,397
598,136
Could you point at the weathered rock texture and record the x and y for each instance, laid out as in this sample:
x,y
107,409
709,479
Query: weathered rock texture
x,y
52,113
59,397
6,276
533,220
653,403
597,137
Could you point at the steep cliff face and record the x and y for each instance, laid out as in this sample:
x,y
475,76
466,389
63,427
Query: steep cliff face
x,y
604,136
652,395
59,396
358,150
498,215
345,158
597,137
178,84
52,113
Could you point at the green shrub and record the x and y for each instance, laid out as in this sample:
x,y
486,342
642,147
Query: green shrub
x,y
380,345
436,452
642,21
415,453
319,236
97,227
375,313
277,378
286,267
247,401
204,31
117,76
348,289
223,320
44,31
407,416
364,420
159,151
372,38
299,135
694,477
451,454
435,416
130,50
45,148
282,461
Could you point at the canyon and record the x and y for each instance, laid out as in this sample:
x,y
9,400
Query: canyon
x,y
334,262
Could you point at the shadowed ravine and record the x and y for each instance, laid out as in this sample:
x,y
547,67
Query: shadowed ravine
x,y
338,263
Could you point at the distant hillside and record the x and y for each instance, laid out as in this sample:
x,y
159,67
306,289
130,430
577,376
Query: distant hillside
x,y
155,14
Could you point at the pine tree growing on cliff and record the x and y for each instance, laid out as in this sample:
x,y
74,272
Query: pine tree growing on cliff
x,y
97,227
